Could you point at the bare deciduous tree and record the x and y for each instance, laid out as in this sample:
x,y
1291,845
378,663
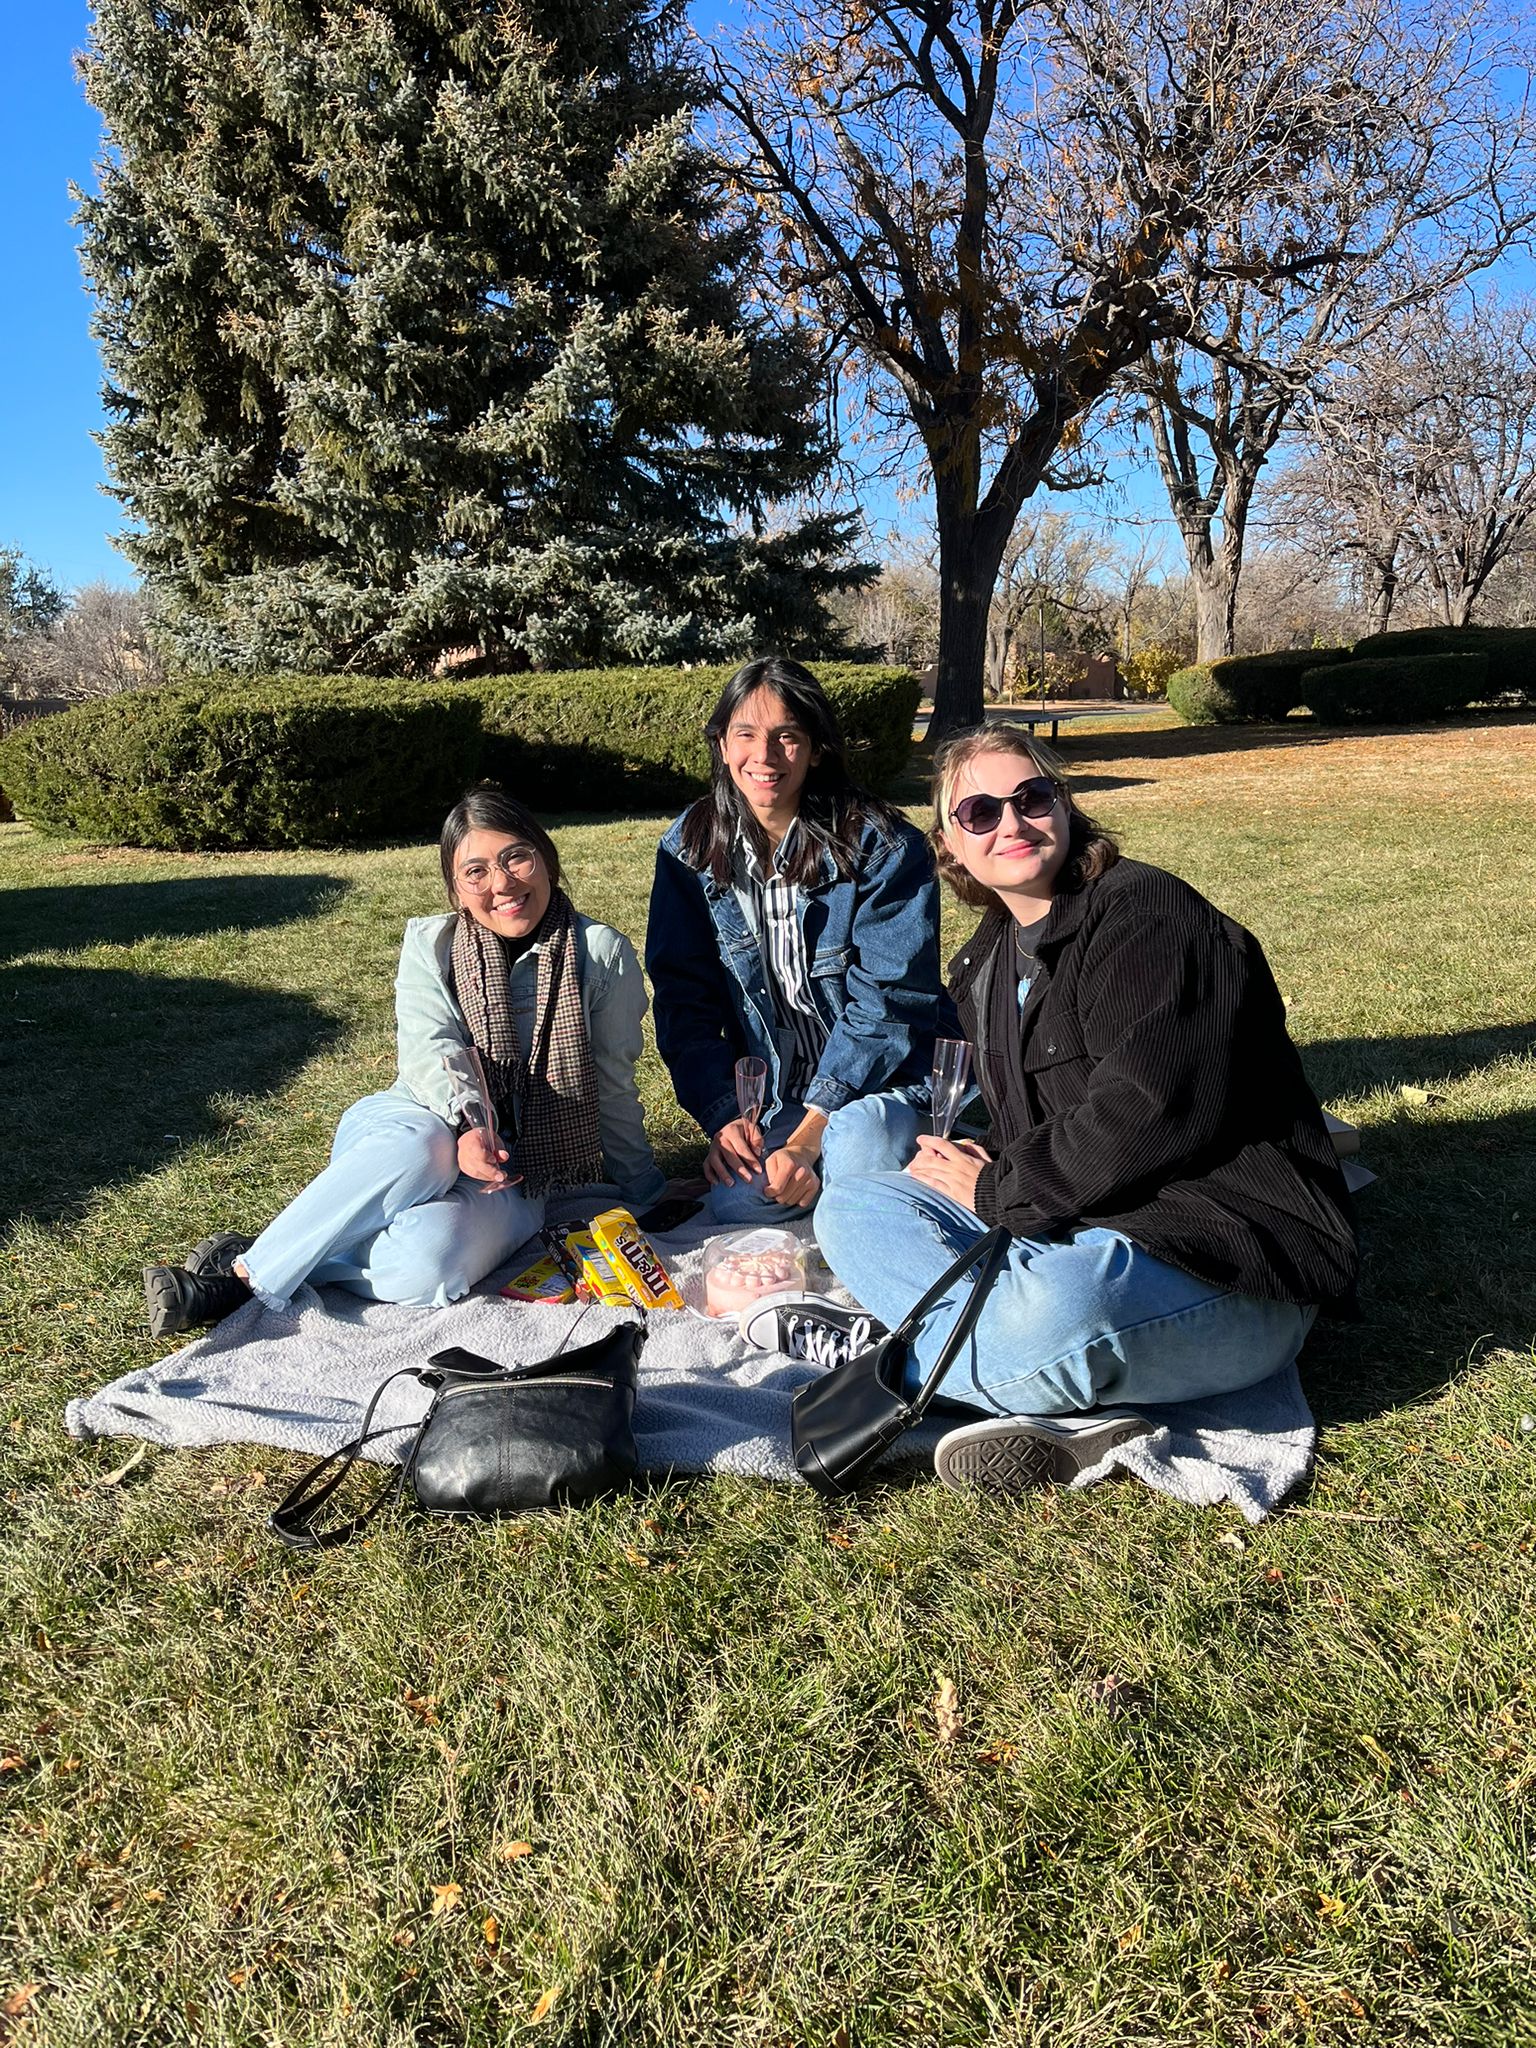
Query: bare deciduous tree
x,y
998,208
1421,463
96,645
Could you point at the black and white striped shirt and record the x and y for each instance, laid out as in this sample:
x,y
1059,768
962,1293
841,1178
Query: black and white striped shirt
x,y
769,904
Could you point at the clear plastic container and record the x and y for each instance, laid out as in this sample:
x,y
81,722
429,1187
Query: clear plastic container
x,y
749,1267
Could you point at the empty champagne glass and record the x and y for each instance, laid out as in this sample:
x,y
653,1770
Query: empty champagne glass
x,y
751,1089
951,1071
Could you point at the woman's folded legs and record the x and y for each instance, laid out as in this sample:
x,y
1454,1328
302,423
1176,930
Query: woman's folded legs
x,y
1069,1324
390,1217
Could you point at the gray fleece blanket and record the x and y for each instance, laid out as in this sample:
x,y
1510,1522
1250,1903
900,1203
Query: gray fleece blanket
x,y
300,1381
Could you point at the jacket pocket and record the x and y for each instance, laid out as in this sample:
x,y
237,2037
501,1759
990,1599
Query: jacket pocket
x,y
832,960
1054,1045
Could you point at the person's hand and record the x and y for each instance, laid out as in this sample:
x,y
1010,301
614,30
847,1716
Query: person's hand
x,y
734,1152
952,1168
483,1157
792,1178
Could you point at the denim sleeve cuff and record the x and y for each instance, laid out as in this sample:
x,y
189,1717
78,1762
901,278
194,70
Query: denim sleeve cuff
x,y
827,1095
721,1112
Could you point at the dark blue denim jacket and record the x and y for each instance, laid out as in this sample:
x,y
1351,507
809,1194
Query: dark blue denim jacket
x,y
872,942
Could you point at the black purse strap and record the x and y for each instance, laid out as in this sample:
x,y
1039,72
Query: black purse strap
x,y
292,1521
991,1250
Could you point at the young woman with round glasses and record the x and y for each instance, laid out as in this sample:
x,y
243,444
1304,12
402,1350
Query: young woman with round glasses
x,y
1176,1209
511,995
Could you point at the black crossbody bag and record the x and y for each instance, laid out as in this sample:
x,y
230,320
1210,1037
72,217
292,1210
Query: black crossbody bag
x,y
497,1439
841,1423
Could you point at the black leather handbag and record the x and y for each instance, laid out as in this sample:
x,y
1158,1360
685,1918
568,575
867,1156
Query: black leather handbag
x,y
497,1439
842,1423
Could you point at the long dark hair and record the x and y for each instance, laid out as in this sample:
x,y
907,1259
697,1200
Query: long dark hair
x,y
488,808
833,808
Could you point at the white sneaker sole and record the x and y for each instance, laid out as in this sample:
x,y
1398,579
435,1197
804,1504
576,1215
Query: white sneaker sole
x,y
1014,1454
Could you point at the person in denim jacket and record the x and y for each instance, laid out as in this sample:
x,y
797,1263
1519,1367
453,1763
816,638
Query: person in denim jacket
x,y
794,918
513,994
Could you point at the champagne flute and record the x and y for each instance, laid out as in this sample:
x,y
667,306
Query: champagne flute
x,y
951,1071
751,1089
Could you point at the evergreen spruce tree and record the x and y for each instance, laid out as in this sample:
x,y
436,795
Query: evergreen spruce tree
x,y
425,329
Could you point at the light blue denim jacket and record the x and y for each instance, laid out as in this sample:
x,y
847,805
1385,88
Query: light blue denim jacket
x,y
872,941
429,1024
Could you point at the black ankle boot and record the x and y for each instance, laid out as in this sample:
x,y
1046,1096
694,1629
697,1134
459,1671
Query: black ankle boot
x,y
217,1254
178,1300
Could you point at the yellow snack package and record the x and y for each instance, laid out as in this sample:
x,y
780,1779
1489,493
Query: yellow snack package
x,y
542,1281
635,1260
597,1269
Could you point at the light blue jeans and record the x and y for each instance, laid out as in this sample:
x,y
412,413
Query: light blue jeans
x,y
1069,1324
862,1147
391,1217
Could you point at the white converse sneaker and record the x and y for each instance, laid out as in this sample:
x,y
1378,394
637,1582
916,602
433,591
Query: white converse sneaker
x,y
1012,1453
809,1326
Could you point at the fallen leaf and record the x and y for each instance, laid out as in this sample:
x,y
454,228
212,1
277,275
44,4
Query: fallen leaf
x,y
946,1710
1233,1540
1328,1907
18,2001
13,1763
238,1977
403,1938
1274,1576
999,1753
840,1539
445,1898
116,1478
65,1765
637,1558
703,1794
154,1898
490,1927
1420,1095
1221,1971
1131,1937
509,1852
541,2009
422,1705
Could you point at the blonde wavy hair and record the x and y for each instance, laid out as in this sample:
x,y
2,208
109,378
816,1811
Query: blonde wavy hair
x,y
1090,848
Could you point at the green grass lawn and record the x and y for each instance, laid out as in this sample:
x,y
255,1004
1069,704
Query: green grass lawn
x,y
669,1771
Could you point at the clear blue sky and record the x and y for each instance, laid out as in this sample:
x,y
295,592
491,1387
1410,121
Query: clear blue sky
x,y
51,503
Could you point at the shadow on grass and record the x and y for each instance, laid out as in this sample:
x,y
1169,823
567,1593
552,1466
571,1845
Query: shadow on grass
x,y
1448,1257
106,1074
1354,1065
72,917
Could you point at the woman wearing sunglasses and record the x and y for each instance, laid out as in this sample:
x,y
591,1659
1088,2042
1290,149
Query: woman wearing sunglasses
x,y
519,1028
1176,1209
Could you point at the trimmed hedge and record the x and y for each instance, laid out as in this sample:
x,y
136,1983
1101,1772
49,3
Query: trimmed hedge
x,y
1241,688
332,761
1509,652
1399,687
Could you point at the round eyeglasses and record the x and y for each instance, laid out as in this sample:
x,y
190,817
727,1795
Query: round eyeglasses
x,y
1035,798
515,863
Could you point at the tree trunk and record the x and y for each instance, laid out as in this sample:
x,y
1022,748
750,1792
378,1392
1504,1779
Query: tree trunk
x,y
1383,597
1215,603
967,577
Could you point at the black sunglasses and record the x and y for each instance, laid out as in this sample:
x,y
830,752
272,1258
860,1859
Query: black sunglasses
x,y
1032,799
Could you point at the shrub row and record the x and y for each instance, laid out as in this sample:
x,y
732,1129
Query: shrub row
x,y
1426,672
1242,688
330,761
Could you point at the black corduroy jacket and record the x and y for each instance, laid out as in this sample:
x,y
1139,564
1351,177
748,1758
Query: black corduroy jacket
x,y
1151,1087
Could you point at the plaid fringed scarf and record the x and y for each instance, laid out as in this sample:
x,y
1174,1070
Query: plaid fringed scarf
x,y
550,1099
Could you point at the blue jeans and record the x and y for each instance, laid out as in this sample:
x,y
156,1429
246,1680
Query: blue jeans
x,y
1069,1324
860,1146
391,1217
